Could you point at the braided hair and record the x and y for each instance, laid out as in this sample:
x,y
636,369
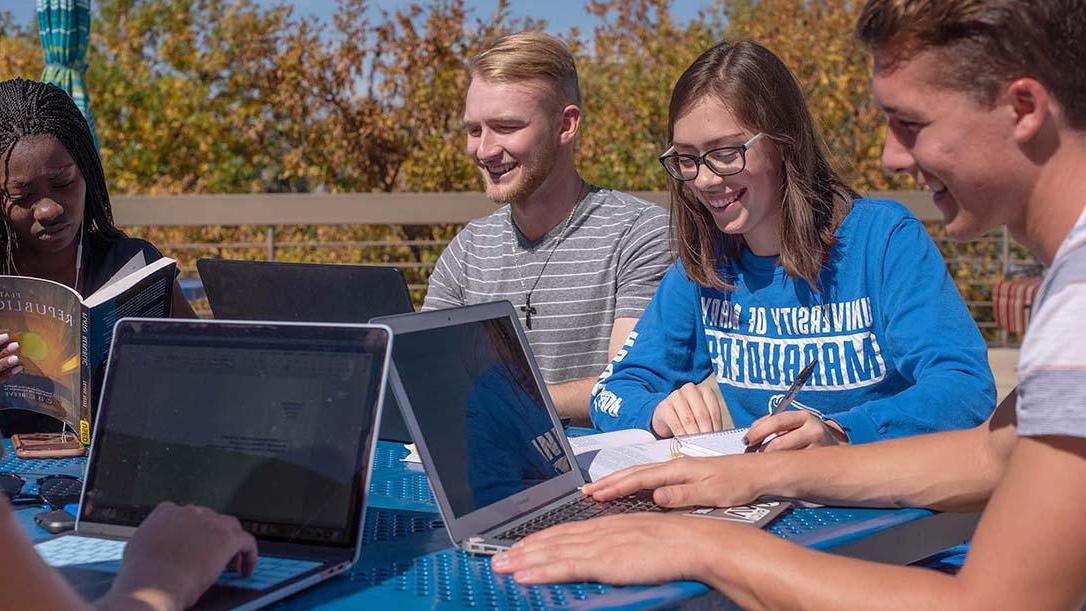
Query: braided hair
x,y
32,108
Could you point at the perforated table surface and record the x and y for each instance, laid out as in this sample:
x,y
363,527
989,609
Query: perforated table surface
x,y
408,563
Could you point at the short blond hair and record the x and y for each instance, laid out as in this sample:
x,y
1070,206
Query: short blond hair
x,y
527,56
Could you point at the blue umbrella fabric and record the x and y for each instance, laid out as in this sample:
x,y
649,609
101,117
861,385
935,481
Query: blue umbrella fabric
x,y
64,27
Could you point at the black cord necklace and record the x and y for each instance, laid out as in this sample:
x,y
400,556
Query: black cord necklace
x,y
528,308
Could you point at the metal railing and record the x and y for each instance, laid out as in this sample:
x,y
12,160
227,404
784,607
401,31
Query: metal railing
x,y
276,214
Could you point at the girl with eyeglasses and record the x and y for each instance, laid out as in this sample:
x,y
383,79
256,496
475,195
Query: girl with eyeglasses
x,y
781,265
57,222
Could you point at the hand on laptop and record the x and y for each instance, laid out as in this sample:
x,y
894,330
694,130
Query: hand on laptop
x,y
625,550
176,554
720,481
688,410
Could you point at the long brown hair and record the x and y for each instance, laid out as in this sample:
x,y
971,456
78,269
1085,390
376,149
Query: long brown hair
x,y
763,94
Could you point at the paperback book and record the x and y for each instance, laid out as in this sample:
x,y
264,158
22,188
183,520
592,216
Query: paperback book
x,y
64,339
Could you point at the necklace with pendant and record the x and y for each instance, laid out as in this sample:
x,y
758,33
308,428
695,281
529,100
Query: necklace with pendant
x,y
528,309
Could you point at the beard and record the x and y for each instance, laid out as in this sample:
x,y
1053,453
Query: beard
x,y
534,171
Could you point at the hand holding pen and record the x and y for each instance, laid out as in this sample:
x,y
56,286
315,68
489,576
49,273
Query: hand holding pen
x,y
796,429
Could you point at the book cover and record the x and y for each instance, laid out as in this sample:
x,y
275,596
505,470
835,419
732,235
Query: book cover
x,y
44,318
64,340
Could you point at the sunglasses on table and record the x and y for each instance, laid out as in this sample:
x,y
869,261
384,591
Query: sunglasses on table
x,y
53,490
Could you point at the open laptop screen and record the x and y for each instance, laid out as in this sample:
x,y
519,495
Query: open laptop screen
x,y
267,422
480,411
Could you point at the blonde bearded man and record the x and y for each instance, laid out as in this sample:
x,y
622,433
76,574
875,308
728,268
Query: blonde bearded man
x,y
579,262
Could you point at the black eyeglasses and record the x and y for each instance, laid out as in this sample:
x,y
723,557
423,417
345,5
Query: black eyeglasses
x,y
53,490
724,161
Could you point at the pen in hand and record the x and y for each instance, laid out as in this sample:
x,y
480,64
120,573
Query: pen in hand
x,y
789,396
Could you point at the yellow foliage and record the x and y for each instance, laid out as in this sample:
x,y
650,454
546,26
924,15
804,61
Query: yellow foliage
x,y
202,96
20,53
226,96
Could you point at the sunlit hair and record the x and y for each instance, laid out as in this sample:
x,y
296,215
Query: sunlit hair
x,y
984,44
30,108
531,56
764,96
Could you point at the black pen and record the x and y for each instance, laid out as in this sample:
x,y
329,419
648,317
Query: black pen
x,y
786,400
793,390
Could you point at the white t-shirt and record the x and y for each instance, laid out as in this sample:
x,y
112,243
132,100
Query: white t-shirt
x,y
1052,364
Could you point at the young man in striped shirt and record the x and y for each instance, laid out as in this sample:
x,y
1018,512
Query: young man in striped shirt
x,y
579,262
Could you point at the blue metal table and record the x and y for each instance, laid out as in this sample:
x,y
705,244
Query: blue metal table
x,y
408,563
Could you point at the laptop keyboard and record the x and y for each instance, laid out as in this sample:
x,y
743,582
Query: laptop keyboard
x,y
581,508
105,555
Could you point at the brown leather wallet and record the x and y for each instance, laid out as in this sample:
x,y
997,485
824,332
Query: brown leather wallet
x,y
47,445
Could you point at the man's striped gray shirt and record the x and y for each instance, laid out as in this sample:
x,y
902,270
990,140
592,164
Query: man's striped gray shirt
x,y
605,265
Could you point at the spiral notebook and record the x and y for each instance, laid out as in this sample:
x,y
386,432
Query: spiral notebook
x,y
603,454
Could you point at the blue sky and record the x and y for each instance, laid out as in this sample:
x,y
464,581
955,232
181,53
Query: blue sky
x,y
559,14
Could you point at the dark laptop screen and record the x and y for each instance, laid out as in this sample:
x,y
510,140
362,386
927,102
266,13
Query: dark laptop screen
x,y
309,292
269,423
479,410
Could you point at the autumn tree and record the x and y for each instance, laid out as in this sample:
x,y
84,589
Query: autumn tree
x,y
20,53
627,67
234,96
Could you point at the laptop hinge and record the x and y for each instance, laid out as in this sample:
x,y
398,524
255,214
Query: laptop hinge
x,y
98,529
303,551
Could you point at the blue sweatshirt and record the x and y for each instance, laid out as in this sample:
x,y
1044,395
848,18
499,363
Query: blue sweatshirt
x,y
898,353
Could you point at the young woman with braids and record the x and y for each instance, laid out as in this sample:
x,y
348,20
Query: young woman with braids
x,y
57,225
57,222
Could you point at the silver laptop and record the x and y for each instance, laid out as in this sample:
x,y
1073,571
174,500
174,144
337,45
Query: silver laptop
x,y
489,437
274,423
